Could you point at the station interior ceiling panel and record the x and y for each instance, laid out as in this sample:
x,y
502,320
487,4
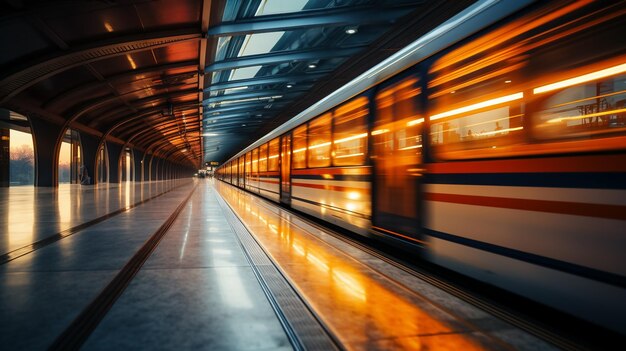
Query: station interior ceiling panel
x,y
198,80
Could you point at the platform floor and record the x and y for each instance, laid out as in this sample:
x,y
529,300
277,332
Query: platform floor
x,y
229,271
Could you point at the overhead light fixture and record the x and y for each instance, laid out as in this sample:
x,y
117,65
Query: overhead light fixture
x,y
289,85
210,134
351,30
312,65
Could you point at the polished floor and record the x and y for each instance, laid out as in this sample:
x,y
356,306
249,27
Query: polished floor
x,y
208,285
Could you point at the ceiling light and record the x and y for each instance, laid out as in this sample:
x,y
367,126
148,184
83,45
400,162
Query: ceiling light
x,y
351,30
312,65
210,134
507,81
289,86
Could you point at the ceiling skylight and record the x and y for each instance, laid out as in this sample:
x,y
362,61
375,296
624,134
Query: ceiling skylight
x,y
272,7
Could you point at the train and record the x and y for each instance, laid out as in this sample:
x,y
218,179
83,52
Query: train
x,y
494,146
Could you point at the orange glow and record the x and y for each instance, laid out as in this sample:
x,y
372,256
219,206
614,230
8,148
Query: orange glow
x,y
108,27
477,106
598,114
336,285
415,122
131,61
358,136
582,79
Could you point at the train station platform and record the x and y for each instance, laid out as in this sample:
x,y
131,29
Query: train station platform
x,y
191,265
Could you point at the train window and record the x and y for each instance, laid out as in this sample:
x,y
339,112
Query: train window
x,y
248,160
298,156
272,159
255,162
350,133
241,171
581,93
585,110
263,158
476,103
319,141
397,130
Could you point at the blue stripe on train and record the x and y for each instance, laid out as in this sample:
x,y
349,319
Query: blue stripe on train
x,y
555,180
571,268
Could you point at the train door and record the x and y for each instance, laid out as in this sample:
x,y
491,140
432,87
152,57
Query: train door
x,y
285,169
397,156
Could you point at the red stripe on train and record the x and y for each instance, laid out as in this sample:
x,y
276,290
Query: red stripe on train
x,y
327,187
333,171
561,207
586,164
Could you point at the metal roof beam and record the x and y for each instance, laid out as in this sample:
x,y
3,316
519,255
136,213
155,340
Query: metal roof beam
x,y
274,58
259,95
263,81
312,18
208,112
31,73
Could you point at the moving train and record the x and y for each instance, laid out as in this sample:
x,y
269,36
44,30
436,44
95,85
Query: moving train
x,y
494,145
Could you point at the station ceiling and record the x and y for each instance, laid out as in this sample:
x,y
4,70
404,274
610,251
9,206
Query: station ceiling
x,y
195,79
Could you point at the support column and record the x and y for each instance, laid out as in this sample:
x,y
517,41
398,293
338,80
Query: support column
x,y
5,157
46,137
89,146
138,159
115,151
153,167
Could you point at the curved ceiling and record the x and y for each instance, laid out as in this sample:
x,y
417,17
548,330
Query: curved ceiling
x,y
196,79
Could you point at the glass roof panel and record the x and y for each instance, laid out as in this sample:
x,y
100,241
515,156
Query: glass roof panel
x,y
272,7
260,43
244,73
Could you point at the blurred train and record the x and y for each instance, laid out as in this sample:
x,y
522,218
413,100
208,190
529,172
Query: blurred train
x,y
494,145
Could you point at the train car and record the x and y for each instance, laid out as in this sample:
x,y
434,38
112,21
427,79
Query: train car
x,y
495,146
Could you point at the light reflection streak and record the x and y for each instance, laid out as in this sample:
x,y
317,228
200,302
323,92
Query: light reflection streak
x,y
350,155
350,285
479,105
598,114
607,72
336,284
358,136
317,262
184,245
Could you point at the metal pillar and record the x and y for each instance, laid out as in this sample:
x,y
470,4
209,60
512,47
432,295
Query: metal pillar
x,y
138,160
115,151
89,145
47,140
5,157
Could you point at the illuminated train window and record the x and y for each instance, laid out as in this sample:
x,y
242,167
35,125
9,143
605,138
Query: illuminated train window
x,y
263,158
298,155
350,133
320,141
272,161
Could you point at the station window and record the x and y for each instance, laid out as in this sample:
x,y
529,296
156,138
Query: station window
x,y
263,158
255,162
319,141
241,169
248,160
299,147
350,133
272,159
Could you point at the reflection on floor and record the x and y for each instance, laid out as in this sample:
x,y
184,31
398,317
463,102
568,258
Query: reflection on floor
x,y
198,289
367,303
